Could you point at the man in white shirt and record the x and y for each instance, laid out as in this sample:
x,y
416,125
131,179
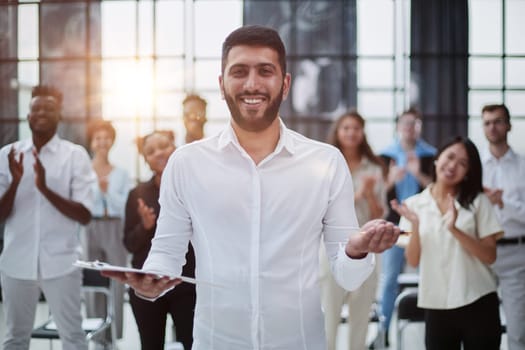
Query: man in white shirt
x,y
255,201
45,189
503,174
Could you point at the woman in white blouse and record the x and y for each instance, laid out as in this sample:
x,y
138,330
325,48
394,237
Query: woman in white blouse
x,y
368,177
453,241
105,231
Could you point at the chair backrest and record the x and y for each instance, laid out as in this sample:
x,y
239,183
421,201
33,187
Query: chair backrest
x,y
407,306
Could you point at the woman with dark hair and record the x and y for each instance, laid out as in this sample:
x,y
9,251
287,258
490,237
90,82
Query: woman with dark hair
x,y
142,211
453,241
368,177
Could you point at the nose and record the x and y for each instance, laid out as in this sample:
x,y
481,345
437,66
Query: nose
x,y
252,81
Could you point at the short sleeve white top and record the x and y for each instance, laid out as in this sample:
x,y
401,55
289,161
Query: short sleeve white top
x,y
450,277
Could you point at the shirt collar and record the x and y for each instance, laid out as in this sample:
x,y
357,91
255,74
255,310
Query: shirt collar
x,y
51,145
489,157
285,142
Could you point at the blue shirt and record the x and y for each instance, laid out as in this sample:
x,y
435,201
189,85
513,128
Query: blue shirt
x,y
113,201
409,185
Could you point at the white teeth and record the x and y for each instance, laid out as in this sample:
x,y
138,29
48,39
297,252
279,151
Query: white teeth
x,y
252,100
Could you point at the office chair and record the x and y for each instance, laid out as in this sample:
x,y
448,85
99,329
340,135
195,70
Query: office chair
x,y
92,282
407,312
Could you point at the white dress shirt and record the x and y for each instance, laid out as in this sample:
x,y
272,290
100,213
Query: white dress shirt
x,y
256,231
37,237
507,174
451,277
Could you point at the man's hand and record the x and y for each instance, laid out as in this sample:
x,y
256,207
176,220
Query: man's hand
x,y
146,284
16,167
495,196
40,173
376,236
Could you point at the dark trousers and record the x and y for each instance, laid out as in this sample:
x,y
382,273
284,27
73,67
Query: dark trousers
x,y
477,326
151,318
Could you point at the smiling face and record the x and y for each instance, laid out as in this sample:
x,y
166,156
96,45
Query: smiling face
x,y
44,115
253,86
101,141
452,165
350,133
157,149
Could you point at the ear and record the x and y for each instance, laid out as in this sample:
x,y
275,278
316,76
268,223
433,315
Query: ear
x,y
287,81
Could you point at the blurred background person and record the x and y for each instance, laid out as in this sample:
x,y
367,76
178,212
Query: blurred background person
x,y
453,241
503,174
142,210
194,117
368,176
45,193
409,160
104,236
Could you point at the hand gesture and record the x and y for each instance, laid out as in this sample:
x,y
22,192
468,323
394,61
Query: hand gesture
x,y
16,167
147,214
404,211
413,164
395,173
40,173
147,285
375,237
495,196
451,214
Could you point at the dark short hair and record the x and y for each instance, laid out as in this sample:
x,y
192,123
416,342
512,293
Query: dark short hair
x,y
100,124
254,35
495,107
472,185
141,140
194,97
47,90
412,111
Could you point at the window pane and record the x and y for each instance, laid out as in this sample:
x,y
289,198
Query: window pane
x,y
27,31
515,27
485,72
475,133
478,99
170,74
170,27
8,28
121,15
127,88
516,138
124,152
379,134
206,74
515,72
63,29
145,31
209,38
375,73
375,104
485,26
216,109
375,23
169,105
515,101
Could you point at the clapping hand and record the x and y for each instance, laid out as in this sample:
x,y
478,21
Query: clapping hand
x,y
40,173
495,196
451,214
147,214
16,167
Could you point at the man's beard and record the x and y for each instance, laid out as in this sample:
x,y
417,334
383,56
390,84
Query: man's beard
x,y
249,124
